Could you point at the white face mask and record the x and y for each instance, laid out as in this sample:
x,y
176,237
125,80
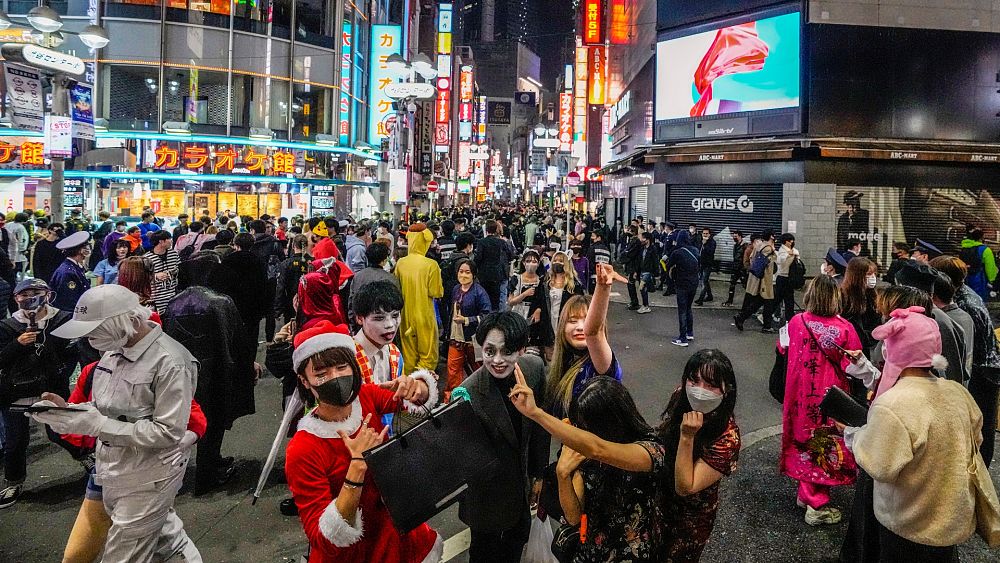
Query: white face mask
x,y
871,281
105,339
701,399
498,362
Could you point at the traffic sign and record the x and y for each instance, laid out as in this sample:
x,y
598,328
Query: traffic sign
x,y
573,178
432,186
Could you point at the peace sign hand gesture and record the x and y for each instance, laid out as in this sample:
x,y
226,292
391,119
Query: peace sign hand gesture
x,y
522,395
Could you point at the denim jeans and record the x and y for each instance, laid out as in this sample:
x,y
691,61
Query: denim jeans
x,y
685,316
502,305
646,280
15,457
706,285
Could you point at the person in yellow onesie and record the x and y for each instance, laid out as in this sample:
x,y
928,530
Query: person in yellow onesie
x,y
420,279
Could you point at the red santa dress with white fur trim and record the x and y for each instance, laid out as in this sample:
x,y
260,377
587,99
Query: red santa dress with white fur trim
x,y
316,463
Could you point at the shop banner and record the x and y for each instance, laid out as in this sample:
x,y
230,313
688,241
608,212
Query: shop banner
x,y
386,40
344,115
81,109
881,216
499,113
24,86
322,202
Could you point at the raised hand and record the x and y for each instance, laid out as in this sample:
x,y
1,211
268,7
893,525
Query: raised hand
x,y
365,439
405,387
522,395
692,423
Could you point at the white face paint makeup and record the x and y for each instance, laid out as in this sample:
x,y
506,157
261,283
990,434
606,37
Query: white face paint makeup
x,y
498,361
380,327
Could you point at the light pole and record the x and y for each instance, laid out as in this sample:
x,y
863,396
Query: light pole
x,y
57,66
406,94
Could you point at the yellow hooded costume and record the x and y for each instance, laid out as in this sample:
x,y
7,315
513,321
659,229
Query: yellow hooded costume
x,y
420,279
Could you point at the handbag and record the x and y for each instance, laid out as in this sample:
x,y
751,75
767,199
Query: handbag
x,y
565,543
779,374
987,504
428,449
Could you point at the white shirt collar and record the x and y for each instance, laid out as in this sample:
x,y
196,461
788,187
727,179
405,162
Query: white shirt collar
x,y
371,349
50,312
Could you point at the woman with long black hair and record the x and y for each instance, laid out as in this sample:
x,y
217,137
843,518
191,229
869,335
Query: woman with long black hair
x,y
701,443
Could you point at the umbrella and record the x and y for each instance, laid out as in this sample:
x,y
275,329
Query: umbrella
x,y
292,409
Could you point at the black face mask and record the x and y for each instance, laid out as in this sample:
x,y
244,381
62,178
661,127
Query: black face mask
x,y
340,391
558,268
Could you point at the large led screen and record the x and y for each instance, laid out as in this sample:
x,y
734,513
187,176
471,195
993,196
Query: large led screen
x,y
747,67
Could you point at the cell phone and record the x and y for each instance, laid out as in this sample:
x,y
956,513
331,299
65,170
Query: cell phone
x,y
41,408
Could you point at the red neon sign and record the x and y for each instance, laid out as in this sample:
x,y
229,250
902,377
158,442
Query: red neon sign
x,y
565,121
592,25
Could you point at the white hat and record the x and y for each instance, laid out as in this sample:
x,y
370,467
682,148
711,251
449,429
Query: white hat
x,y
94,307
74,240
323,336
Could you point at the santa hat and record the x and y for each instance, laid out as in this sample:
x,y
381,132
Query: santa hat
x,y
912,339
324,336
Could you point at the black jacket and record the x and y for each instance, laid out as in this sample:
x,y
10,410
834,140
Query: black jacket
x,y
270,252
243,278
632,258
29,371
499,499
208,325
649,260
708,254
739,249
492,256
290,271
684,263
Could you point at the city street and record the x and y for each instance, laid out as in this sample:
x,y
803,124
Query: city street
x,y
758,520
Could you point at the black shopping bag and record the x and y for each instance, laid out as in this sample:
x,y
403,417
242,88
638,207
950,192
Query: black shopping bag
x,y
427,468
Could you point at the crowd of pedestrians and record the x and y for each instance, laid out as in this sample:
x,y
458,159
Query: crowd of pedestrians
x,y
136,347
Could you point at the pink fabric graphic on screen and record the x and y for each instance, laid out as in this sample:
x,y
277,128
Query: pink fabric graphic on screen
x,y
736,49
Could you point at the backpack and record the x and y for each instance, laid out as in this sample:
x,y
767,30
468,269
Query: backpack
x,y
973,258
797,274
188,250
758,264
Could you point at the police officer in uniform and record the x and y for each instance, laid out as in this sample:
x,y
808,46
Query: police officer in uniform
x,y
70,281
142,390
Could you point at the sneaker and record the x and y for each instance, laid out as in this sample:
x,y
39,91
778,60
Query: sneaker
x,y
633,307
768,330
9,495
690,337
727,303
643,310
759,317
819,517
683,343
699,302
799,503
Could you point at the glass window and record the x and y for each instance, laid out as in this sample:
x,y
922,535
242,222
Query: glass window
x,y
268,104
132,95
313,23
144,9
195,96
312,111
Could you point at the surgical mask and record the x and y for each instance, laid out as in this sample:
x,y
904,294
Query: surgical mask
x,y
339,391
692,231
530,267
120,229
558,268
870,281
464,278
32,304
701,399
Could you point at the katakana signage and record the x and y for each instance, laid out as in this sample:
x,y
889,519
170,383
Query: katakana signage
x,y
224,160
386,40
31,153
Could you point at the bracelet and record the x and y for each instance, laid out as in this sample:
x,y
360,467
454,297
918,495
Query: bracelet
x,y
353,484
358,459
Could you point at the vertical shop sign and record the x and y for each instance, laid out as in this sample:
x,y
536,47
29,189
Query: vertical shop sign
x,y
24,86
593,29
598,76
442,113
580,95
426,137
618,29
344,116
191,108
566,122
386,40
481,119
81,109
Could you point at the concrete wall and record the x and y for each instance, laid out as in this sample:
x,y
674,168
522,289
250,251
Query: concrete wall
x,y
813,208
959,15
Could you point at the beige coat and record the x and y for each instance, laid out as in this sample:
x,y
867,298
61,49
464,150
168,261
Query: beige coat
x,y
765,287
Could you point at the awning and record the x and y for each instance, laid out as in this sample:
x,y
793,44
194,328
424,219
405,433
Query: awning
x,y
631,159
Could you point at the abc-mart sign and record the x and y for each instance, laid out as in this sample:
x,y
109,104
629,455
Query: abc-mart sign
x,y
43,59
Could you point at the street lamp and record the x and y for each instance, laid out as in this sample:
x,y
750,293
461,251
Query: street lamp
x,y
406,94
48,32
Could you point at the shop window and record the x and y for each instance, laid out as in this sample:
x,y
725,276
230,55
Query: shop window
x,y
133,96
312,111
268,104
200,98
313,23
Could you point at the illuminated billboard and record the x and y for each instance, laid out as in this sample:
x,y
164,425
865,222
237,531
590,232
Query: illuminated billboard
x,y
752,66
386,40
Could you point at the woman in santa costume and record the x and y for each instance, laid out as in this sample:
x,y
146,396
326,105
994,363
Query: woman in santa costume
x,y
340,507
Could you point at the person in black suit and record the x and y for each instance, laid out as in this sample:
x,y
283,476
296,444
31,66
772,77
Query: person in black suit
x,y
493,256
496,507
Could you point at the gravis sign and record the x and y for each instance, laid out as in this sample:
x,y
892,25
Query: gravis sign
x,y
742,203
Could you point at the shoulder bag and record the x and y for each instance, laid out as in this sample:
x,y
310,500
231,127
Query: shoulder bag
x,y
987,505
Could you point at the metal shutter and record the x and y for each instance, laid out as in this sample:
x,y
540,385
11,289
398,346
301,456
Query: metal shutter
x,y
638,202
724,209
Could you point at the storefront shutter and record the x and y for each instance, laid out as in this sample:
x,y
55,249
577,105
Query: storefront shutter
x,y
638,202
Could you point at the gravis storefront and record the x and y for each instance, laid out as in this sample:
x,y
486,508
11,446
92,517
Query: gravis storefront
x,y
193,174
